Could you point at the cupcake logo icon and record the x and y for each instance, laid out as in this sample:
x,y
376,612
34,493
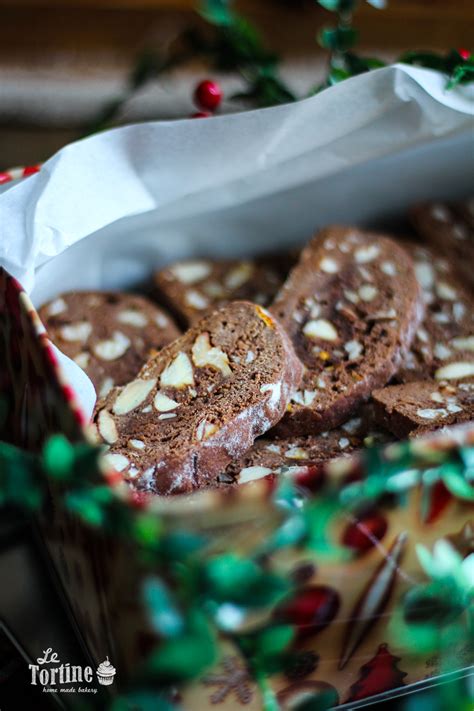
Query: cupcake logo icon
x,y
105,673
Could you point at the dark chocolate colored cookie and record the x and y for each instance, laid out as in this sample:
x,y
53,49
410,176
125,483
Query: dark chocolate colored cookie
x,y
446,334
351,307
201,401
110,335
194,287
419,407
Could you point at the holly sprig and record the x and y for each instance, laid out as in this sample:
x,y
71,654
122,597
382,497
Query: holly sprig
x,y
457,64
193,595
232,43
340,39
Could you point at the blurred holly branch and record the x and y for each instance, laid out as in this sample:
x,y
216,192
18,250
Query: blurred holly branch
x,y
231,43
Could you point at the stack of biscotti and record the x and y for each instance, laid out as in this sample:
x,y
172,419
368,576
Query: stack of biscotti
x,y
437,383
340,326
247,392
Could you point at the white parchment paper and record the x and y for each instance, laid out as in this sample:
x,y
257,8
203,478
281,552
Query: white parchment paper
x,y
104,211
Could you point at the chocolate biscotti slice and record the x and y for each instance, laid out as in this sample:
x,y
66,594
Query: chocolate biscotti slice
x,y
447,332
201,401
449,229
419,407
110,335
351,307
272,456
191,288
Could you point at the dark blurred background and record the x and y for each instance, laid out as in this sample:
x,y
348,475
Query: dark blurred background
x,y
62,60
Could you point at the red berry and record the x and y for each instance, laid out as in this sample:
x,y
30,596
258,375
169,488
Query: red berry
x,y
208,95
201,114
464,53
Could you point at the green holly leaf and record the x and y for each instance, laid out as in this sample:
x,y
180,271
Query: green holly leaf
x,y
274,640
337,75
88,507
461,75
453,478
179,545
355,64
163,614
147,529
228,574
446,566
232,579
426,637
266,90
467,457
320,516
432,604
338,39
186,656
291,532
217,12
58,457
430,60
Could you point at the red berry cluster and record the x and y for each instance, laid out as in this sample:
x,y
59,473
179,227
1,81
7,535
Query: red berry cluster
x,y
207,97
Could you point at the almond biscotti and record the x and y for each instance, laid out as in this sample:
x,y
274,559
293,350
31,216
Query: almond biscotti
x,y
193,287
450,229
272,456
201,401
446,334
351,307
110,335
419,407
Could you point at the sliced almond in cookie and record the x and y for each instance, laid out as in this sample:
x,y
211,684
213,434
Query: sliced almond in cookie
x,y
112,348
455,371
178,373
194,412
203,354
132,395
163,403
79,331
366,321
106,427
